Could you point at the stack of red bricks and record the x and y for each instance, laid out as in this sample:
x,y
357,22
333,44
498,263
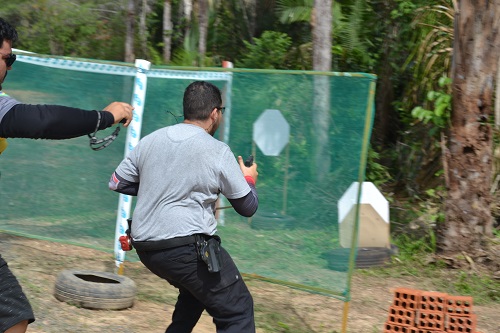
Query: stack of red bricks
x,y
416,311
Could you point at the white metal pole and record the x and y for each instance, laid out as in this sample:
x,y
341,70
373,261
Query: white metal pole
x,y
133,136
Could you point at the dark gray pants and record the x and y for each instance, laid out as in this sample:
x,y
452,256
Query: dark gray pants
x,y
224,294
14,306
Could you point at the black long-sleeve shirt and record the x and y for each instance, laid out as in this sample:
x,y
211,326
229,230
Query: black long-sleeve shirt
x,y
51,122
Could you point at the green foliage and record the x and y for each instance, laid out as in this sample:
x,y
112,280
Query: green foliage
x,y
79,29
483,288
411,248
155,56
226,34
416,236
290,11
376,173
403,9
352,35
268,52
423,139
430,57
441,101
188,55
417,55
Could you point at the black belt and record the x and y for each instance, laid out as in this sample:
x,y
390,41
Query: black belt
x,y
168,243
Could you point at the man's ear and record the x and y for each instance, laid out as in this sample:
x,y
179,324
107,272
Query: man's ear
x,y
214,114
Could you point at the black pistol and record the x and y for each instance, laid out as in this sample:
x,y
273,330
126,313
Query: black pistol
x,y
249,161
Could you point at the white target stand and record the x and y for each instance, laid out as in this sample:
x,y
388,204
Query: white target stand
x,y
374,228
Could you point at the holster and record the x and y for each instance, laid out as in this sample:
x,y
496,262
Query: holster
x,y
209,253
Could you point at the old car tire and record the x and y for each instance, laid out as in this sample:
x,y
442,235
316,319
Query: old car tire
x,y
95,290
372,256
338,259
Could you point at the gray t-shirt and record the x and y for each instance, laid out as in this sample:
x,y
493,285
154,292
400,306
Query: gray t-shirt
x,y
6,103
181,170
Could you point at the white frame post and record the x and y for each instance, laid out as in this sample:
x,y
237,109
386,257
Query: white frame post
x,y
133,136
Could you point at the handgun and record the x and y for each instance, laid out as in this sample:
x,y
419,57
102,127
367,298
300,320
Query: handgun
x,y
249,161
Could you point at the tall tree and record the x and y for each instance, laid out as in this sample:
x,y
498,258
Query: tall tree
x,y
167,31
130,32
249,9
143,31
468,160
322,61
187,10
203,30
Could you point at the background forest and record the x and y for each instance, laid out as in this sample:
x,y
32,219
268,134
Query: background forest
x,y
408,44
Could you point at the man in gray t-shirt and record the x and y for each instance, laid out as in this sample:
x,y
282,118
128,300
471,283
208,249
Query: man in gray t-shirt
x,y
177,173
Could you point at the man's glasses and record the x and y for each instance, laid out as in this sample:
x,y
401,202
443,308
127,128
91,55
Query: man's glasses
x,y
222,109
9,59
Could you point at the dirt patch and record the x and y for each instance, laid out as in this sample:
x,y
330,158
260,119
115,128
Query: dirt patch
x,y
277,309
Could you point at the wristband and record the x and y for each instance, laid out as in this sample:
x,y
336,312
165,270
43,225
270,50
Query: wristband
x,y
250,180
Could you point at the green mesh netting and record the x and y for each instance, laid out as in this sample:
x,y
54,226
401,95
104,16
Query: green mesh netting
x,y
58,190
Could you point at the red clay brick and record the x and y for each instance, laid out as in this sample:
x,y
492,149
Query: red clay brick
x,y
393,328
407,298
458,305
433,301
400,316
430,320
461,324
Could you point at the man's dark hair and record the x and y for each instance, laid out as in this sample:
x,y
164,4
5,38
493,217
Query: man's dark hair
x,y
200,98
7,32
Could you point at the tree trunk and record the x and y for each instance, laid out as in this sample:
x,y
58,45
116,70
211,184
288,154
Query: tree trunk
x,y
251,10
203,29
321,22
143,31
497,98
167,31
252,6
187,9
385,126
469,155
130,31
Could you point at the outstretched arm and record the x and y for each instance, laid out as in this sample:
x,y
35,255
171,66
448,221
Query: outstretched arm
x,y
59,122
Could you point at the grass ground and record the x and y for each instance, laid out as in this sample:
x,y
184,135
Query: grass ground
x,y
277,309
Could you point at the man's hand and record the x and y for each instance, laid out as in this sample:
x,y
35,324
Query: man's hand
x,y
248,171
120,111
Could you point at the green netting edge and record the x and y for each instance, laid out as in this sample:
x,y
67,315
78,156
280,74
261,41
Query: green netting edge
x,y
215,69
